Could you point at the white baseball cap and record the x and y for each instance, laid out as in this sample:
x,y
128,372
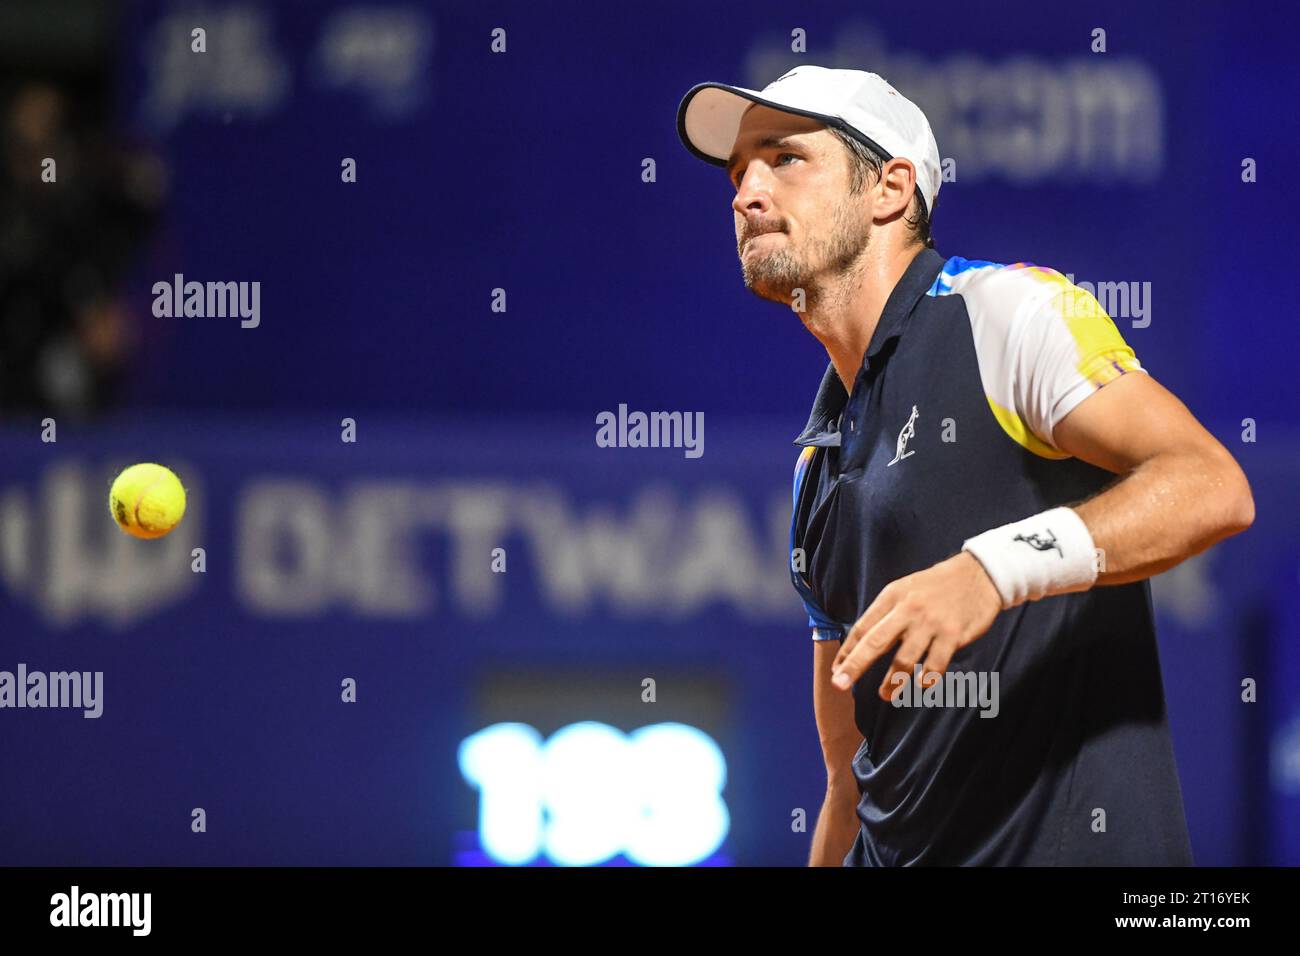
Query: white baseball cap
x,y
859,103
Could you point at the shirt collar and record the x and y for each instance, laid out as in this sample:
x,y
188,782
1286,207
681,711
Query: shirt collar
x,y
831,396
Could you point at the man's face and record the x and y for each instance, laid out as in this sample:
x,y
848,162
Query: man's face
x,y
797,225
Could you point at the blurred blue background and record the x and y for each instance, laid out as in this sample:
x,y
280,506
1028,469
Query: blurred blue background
x,y
522,170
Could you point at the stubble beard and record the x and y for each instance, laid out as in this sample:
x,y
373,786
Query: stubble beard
x,y
816,268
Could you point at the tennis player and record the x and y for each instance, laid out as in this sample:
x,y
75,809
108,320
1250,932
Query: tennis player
x,y
986,481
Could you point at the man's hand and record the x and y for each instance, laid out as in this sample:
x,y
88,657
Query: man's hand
x,y
934,612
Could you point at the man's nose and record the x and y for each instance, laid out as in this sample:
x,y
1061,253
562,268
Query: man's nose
x,y
755,192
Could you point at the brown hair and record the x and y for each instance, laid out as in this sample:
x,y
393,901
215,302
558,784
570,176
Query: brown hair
x,y
864,159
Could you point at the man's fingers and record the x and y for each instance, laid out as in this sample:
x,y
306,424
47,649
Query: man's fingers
x,y
940,657
881,606
868,650
909,654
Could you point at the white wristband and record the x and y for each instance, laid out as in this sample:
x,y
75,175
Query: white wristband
x,y
1050,553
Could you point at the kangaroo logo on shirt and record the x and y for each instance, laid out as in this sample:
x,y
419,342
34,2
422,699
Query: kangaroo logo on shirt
x,y
1040,544
909,430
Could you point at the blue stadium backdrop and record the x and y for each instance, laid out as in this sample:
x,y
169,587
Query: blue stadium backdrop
x,y
491,705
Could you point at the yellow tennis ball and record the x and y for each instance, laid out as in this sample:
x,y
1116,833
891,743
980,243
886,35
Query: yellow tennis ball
x,y
147,500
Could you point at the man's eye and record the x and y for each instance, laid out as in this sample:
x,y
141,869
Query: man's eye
x,y
780,156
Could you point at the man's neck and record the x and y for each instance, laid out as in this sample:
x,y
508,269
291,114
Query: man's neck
x,y
846,314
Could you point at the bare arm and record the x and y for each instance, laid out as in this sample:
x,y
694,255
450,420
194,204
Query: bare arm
x,y
1181,492
837,824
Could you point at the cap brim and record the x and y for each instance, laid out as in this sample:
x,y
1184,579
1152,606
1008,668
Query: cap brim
x,y
708,120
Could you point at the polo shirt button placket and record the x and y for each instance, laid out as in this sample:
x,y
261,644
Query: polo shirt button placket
x,y
863,382
852,412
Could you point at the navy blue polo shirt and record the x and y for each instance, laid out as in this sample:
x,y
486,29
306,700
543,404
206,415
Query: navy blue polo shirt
x,y
947,433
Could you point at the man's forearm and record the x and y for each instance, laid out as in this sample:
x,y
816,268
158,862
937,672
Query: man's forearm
x,y
837,826
1163,512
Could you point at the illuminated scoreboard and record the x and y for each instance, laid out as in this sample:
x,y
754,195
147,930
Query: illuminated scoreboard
x,y
582,769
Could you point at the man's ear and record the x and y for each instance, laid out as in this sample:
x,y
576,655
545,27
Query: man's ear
x,y
897,187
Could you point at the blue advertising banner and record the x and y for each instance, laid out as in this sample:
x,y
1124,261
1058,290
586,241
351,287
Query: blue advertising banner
x,y
346,647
